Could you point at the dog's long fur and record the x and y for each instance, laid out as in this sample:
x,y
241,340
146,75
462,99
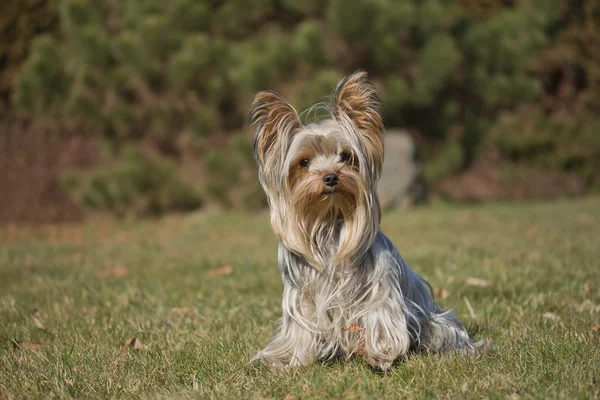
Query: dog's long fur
x,y
347,290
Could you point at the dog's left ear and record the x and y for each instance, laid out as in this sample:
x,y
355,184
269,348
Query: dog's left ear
x,y
356,100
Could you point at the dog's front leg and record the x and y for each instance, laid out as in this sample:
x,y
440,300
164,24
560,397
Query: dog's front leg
x,y
386,336
294,344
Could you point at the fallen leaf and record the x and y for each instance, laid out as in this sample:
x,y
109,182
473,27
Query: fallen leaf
x,y
116,271
596,328
551,316
25,344
37,321
477,282
224,270
134,343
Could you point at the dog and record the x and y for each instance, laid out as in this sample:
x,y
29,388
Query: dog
x,y
347,291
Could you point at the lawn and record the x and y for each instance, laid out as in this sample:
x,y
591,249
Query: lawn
x,y
200,295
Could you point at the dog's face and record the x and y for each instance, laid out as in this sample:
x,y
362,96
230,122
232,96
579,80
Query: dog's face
x,y
330,163
321,172
323,169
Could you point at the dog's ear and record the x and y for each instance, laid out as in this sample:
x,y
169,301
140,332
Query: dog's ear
x,y
356,101
275,120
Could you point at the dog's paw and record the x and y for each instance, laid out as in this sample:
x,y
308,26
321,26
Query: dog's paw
x,y
381,366
377,363
272,363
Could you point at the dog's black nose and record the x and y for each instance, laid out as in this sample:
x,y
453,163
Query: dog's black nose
x,y
330,180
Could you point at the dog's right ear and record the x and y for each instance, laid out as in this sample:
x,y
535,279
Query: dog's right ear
x,y
356,101
275,120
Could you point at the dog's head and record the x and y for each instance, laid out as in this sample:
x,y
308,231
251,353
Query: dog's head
x,y
326,164
322,171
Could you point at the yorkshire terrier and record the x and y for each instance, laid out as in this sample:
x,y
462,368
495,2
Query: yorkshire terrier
x,y
347,291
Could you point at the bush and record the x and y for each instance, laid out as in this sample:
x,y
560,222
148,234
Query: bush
x,y
322,84
135,186
308,43
446,70
20,22
447,161
232,179
154,63
559,143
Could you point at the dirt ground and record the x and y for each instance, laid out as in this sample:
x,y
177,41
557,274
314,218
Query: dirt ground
x,y
491,179
31,161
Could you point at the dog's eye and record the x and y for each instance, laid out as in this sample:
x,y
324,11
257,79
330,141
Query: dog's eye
x,y
304,163
345,157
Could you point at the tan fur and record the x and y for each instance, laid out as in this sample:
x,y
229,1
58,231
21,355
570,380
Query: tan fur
x,y
272,114
356,99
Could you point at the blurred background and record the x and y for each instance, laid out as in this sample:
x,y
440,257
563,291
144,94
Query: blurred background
x,y
137,107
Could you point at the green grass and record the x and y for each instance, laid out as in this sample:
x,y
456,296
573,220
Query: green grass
x,y
199,328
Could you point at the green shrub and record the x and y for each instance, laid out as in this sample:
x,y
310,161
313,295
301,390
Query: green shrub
x,y
134,70
231,175
436,64
446,70
46,82
352,20
20,23
203,121
308,43
191,15
221,167
243,148
446,161
322,84
186,65
135,186
250,70
559,143
255,199
306,8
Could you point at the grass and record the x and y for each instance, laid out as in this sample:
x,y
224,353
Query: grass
x,y
168,283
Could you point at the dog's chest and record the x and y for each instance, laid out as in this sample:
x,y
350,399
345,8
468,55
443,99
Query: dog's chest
x,y
337,309
335,296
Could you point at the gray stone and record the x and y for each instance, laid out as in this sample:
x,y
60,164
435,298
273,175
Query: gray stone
x,y
402,183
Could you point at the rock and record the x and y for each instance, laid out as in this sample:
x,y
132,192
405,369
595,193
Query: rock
x,y
402,183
